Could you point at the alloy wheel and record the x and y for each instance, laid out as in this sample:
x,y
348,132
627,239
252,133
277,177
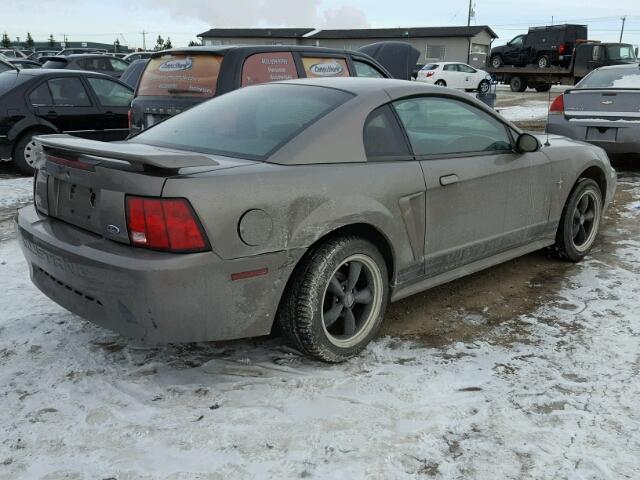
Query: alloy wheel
x,y
586,218
352,301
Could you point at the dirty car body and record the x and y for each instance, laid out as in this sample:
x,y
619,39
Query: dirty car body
x,y
309,162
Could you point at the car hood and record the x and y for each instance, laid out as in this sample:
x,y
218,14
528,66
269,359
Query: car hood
x,y
499,49
398,58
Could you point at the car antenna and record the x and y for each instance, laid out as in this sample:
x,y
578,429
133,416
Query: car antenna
x,y
547,144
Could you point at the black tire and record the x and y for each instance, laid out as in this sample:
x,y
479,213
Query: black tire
x,y
484,86
441,83
570,243
496,61
517,84
22,153
309,299
543,88
543,61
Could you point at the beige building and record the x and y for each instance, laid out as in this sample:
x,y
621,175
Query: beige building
x,y
454,44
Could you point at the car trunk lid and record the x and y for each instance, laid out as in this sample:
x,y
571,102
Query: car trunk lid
x,y
85,182
606,104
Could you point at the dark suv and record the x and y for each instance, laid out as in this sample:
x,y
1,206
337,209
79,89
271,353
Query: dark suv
x,y
542,46
175,80
108,65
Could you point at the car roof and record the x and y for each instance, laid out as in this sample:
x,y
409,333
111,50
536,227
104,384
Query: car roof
x,y
625,66
224,49
87,55
65,72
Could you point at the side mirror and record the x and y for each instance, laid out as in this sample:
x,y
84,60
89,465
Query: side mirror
x,y
527,143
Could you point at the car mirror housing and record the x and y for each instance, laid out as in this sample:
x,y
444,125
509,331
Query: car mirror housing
x,y
527,143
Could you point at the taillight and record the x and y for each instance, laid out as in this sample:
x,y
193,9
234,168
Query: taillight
x,y
562,49
430,73
557,106
168,224
129,115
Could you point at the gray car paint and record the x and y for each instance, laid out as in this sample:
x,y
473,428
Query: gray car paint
x,y
504,204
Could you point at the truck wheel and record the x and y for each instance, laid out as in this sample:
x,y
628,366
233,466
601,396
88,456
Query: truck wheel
x,y
335,300
543,62
496,61
517,84
580,221
23,153
441,83
543,88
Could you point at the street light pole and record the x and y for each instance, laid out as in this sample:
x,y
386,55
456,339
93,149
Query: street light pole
x,y
622,29
469,15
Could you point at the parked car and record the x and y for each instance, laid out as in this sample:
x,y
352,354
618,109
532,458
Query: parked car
x,y
5,66
165,89
94,62
23,63
542,46
138,56
417,68
119,55
78,51
34,102
12,53
132,74
310,203
455,75
603,109
38,56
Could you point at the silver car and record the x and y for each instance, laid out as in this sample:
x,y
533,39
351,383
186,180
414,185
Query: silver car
x,y
603,109
310,203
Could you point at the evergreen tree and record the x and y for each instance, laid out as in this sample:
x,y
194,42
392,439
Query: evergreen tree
x,y
167,44
194,43
29,43
6,43
159,43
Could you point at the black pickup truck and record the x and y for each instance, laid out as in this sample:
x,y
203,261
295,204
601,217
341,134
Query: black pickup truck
x,y
586,56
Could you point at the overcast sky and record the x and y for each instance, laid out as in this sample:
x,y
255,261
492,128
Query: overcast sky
x,y
104,21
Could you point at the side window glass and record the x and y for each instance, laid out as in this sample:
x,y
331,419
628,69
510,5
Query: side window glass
x,y
365,70
441,126
382,136
110,93
68,92
268,67
466,68
315,67
450,68
118,65
41,96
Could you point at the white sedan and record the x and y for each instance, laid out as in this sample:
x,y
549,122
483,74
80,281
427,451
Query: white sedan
x,y
455,75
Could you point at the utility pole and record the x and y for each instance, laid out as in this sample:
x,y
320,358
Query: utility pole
x,y
144,40
624,19
470,12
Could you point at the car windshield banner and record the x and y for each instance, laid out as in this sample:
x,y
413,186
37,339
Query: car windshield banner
x,y
317,67
181,75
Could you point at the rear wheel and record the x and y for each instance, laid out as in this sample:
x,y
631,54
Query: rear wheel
x,y
517,84
543,61
543,88
336,299
24,153
496,61
580,221
441,83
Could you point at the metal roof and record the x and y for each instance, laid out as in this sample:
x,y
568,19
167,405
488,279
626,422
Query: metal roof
x,y
404,32
256,32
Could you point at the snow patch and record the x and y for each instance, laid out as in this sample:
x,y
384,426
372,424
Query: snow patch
x,y
15,192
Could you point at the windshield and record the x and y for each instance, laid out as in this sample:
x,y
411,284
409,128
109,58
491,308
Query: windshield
x,y
620,52
181,75
612,78
248,123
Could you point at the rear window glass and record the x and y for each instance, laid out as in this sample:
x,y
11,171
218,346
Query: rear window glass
x,y
58,63
315,67
612,78
268,67
181,75
430,66
8,80
247,123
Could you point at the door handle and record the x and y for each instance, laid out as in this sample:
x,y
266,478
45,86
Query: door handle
x,y
448,179
109,114
52,114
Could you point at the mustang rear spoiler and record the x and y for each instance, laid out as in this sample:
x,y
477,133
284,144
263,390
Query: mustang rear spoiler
x,y
134,153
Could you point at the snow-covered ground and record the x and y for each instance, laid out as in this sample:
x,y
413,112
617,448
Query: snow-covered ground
x,y
15,192
530,110
553,394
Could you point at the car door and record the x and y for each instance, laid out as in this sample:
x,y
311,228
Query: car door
x,y
482,197
114,100
452,75
513,54
469,75
65,103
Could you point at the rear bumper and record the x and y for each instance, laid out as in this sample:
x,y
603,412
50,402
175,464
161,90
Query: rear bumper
x,y
626,140
151,296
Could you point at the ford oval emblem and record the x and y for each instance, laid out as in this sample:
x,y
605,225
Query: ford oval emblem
x,y
113,230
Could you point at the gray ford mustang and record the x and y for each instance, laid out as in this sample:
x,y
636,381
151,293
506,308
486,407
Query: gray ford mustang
x,y
309,203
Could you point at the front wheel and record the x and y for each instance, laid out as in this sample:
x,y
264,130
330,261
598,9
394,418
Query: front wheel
x,y
484,86
580,221
335,300
496,62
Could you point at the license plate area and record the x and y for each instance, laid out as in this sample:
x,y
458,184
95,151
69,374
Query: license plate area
x,y
74,203
602,134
